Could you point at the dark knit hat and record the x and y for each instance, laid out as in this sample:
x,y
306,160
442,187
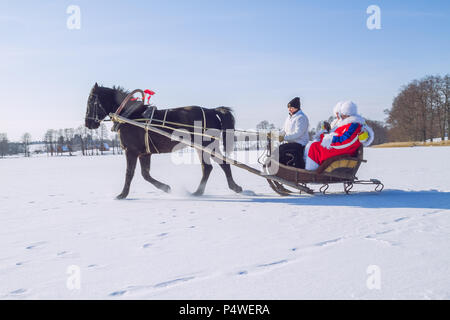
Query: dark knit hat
x,y
294,103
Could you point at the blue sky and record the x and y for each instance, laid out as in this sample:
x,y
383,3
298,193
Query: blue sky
x,y
253,56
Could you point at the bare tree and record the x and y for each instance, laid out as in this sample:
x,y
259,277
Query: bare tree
x,y
103,135
69,134
3,144
26,140
421,110
265,125
82,133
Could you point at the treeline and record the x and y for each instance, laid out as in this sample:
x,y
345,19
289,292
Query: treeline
x,y
88,141
421,111
64,141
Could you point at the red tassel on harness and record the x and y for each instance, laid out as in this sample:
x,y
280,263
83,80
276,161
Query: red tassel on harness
x,y
150,93
147,91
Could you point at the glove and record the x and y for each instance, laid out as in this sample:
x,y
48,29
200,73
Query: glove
x,y
325,126
327,140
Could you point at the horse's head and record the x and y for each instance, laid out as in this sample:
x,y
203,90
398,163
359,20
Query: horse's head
x,y
96,111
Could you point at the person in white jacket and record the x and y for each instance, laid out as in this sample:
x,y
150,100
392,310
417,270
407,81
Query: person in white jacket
x,y
295,133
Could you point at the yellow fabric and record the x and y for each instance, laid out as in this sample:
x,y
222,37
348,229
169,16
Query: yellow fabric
x,y
363,136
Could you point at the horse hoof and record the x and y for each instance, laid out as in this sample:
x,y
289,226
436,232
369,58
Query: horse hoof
x,y
197,193
166,189
237,189
121,196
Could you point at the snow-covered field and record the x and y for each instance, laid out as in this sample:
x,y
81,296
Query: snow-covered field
x,y
63,236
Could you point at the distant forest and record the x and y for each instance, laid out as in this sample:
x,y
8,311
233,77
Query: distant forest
x,y
64,141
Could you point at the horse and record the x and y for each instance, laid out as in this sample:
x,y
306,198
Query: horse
x,y
103,100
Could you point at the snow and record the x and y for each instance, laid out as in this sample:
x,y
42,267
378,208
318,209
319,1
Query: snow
x,y
59,213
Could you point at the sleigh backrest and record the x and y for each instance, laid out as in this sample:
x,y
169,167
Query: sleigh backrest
x,y
343,166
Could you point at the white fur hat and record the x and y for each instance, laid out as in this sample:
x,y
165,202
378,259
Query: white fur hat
x,y
337,108
349,108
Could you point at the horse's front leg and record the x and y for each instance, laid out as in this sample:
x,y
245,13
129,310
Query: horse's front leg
x,y
131,166
145,170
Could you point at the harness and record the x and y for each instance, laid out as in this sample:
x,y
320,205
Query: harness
x,y
149,120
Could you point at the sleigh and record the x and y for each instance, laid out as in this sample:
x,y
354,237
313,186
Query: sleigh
x,y
338,169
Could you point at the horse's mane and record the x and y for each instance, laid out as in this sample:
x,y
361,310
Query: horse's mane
x,y
121,90
116,93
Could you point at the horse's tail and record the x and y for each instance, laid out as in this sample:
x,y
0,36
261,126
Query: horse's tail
x,y
227,121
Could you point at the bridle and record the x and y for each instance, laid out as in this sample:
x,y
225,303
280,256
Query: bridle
x,y
94,110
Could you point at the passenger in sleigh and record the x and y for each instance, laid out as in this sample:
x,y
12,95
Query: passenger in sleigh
x,y
345,138
295,133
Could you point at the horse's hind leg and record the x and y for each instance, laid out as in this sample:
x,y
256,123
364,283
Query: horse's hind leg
x,y
144,160
131,166
227,169
206,171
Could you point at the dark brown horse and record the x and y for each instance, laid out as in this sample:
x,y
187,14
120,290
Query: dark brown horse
x,y
103,100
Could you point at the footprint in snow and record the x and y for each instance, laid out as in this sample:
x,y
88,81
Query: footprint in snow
x,y
263,266
118,293
431,212
35,245
172,282
382,241
146,245
64,254
372,236
164,284
18,292
272,263
163,234
327,242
